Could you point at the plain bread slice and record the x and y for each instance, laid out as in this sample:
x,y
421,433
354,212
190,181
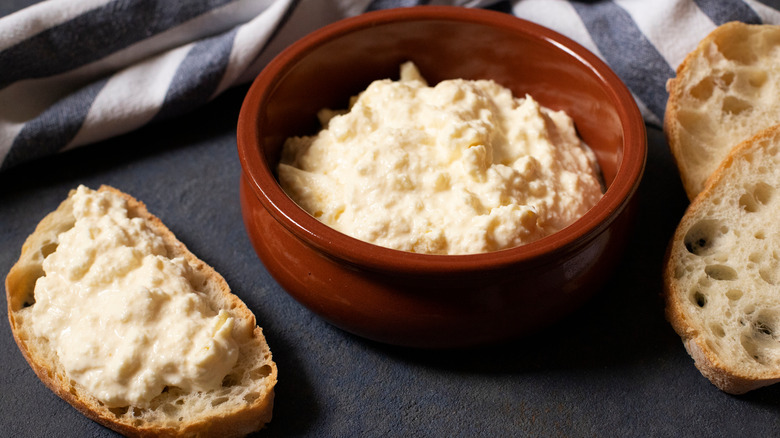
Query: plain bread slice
x,y
725,91
722,270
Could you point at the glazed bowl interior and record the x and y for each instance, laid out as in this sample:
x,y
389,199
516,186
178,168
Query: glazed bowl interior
x,y
325,68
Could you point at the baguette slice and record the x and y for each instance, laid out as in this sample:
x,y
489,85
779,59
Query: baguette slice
x,y
725,91
722,270
243,404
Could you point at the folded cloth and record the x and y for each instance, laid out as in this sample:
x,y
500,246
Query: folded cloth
x,y
75,73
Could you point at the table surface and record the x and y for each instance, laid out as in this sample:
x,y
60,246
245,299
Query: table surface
x,y
613,368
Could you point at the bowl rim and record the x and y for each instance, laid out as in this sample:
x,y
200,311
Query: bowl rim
x,y
264,185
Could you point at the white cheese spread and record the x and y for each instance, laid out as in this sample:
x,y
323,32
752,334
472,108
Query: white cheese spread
x,y
123,317
461,167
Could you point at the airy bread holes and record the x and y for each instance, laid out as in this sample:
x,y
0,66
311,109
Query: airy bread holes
x,y
763,192
169,409
735,106
726,79
737,48
755,257
230,380
749,344
769,275
693,121
756,197
250,397
219,401
703,90
261,372
762,328
717,329
720,272
119,411
48,249
770,270
699,299
757,78
762,344
734,294
701,238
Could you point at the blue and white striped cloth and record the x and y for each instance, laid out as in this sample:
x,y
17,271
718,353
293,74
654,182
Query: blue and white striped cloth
x,y
77,72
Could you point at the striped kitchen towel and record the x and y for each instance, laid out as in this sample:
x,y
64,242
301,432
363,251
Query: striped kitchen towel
x,y
77,72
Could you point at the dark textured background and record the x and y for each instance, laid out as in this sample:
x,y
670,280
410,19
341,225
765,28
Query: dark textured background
x,y
614,368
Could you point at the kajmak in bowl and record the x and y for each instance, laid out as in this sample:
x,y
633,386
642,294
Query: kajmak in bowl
x,y
424,300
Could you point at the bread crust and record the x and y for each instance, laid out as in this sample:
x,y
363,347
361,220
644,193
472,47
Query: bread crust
x,y
253,412
712,103
724,373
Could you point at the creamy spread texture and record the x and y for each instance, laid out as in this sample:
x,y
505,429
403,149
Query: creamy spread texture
x,y
460,167
123,317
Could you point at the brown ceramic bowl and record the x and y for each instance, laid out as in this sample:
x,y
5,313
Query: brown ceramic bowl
x,y
422,300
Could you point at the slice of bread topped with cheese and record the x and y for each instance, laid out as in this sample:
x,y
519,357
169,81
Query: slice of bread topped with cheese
x,y
725,91
722,272
121,320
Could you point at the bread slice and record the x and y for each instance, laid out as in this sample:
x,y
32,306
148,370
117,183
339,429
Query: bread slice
x,y
725,91
241,405
722,270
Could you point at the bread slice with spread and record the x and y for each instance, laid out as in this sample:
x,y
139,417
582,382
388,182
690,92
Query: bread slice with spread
x,y
725,91
722,270
102,325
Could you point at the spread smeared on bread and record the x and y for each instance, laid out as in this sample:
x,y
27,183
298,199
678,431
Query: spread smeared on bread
x,y
223,384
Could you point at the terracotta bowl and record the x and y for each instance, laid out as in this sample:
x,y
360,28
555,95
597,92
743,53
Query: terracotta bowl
x,y
437,301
